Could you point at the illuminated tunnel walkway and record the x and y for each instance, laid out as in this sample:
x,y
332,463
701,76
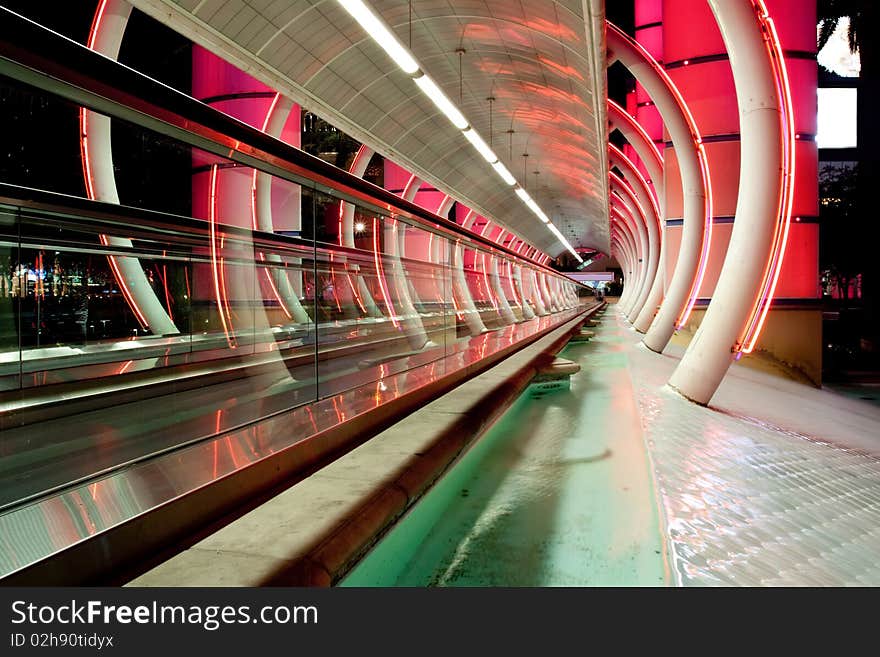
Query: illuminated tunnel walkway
x,y
794,501
225,359
613,481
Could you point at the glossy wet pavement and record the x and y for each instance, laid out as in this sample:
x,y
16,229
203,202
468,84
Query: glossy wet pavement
x,y
777,485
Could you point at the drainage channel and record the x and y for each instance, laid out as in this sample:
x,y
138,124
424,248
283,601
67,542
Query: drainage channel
x,y
557,493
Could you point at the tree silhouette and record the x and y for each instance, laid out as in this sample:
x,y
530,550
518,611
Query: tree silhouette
x,y
862,36
831,12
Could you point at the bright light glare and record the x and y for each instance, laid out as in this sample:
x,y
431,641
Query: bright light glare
x,y
360,227
381,35
538,211
481,146
836,57
502,171
432,91
837,118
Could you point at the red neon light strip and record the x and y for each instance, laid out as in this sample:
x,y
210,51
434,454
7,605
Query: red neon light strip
x,y
216,266
639,175
704,171
96,22
786,195
381,272
117,273
167,294
707,237
261,255
489,290
89,181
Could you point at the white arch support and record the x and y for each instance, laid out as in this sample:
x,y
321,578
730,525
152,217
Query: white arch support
x,y
278,278
697,195
652,293
108,28
649,248
537,298
346,237
653,161
763,208
627,225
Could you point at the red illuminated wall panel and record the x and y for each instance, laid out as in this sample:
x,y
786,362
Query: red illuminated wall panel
x,y
691,35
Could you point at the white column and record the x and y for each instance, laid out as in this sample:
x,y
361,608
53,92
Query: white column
x,y
527,311
537,297
639,221
694,175
460,289
462,293
653,161
106,38
652,220
278,114
504,308
764,132
412,321
358,168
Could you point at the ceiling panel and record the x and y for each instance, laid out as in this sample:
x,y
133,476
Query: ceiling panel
x,y
537,60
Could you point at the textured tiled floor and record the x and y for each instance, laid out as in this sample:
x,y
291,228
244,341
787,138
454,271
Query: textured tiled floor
x,y
757,494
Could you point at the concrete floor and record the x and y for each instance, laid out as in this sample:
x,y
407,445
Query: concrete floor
x,y
617,481
775,484
557,493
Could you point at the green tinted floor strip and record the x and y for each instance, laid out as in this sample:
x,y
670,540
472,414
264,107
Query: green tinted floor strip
x,y
557,493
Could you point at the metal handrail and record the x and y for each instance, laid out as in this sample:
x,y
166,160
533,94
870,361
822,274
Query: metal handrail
x,y
41,58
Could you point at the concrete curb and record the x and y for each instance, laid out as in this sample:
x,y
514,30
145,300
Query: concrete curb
x,y
327,547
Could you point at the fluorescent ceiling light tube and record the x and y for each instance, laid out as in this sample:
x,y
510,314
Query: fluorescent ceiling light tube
x,y
383,36
538,211
502,171
523,194
432,91
481,146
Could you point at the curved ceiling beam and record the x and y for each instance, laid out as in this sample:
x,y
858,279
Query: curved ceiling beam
x,y
697,193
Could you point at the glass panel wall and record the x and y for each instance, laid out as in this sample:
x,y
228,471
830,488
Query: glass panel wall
x,y
171,313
